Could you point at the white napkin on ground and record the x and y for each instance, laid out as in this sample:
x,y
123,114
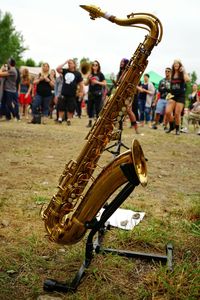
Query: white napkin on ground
x,y
123,218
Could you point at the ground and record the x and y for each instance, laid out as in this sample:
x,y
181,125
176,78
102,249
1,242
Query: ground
x,y
32,158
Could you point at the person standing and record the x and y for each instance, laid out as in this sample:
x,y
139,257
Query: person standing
x,y
52,103
96,82
57,93
161,103
176,102
123,64
72,80
145,99
44,85
10,103
24,92
193,97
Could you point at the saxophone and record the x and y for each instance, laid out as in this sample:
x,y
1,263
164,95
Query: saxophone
x,y
76,203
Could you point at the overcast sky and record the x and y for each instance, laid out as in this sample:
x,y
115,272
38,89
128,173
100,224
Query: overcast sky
x,y
55,31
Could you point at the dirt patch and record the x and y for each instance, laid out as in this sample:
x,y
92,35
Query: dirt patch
x,y
32,158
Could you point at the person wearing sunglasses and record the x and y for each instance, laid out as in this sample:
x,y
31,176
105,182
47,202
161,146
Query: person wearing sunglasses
x,y
97,83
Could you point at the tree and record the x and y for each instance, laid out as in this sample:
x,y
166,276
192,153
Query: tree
x,y
193,77
11,41
30,62
40,63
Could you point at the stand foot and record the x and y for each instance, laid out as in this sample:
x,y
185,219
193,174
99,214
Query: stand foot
x,y
51,285
169,252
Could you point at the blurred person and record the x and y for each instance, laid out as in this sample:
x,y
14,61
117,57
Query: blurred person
x,y
161,102
44,85
57,93
52,103
96,83
2,79
194,96
85,97
192,113
24,92
10,105
72,79
176,102
123,64
79,101
135,106
145,99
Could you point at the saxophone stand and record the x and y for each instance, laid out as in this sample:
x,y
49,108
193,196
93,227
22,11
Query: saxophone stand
x,y
119,142
99,227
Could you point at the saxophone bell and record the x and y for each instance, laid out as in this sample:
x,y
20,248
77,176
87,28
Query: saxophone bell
x,y
85,68
139,162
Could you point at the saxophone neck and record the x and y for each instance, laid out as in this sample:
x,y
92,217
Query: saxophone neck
x,y
151,22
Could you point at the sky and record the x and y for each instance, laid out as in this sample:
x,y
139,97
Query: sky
x,y
55,31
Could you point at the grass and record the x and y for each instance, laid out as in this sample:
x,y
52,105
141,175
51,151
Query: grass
x,y
30,170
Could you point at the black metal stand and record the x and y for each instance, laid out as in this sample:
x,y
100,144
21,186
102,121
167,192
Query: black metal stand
x,y
119,142
99,227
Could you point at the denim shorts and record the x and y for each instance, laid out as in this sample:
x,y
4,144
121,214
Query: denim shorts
x,y
160,107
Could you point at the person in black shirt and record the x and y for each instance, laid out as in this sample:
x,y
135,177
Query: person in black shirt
x,y
176,102
43,96
72,80
96,82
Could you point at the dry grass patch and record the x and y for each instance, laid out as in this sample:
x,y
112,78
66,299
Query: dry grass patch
x,y
32,157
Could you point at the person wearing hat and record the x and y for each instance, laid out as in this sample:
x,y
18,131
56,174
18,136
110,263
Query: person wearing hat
x,y
176,103
10,97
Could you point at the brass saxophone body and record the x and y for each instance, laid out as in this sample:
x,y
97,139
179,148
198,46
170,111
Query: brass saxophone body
x,y
74,203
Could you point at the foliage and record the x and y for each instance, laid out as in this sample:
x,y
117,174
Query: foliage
x,y
11,40
40,63
30,62
193,77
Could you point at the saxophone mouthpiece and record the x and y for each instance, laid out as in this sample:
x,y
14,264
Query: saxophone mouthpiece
x,y
94,11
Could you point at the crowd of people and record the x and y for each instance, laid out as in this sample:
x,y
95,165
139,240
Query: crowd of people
x,y
67,88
